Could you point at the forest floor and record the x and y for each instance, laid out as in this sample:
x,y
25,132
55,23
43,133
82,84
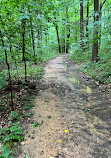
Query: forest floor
x,y
73,116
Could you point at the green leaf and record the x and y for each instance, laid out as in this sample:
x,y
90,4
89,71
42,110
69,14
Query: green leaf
x,y
6,152
26,156
25,17
9,122
49,117
36,124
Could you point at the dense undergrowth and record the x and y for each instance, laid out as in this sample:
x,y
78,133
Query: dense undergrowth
x,y
49,55
100,71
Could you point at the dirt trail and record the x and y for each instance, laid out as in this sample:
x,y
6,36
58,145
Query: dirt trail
x,y
75,118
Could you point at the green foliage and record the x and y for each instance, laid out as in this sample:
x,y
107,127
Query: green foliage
x,y
14,115
80,55
12,134
100,71
9,136
36,124
28,114
3,77
26,156
6,152
49,55
5,107
33,71
28,106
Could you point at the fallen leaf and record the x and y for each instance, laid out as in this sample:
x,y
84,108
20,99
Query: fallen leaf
x,y
52,128
66,131
59,141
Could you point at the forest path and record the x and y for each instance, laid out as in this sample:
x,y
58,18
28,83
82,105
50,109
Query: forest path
x,y
75,118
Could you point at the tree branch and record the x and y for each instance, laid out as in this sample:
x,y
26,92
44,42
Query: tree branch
x,y
101,6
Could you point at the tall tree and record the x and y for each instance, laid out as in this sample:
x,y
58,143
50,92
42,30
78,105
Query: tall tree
x,y
32,33
23,23
87,22
95,31
67,31
81,24
9,74
57,32
97,14
76,23
100,15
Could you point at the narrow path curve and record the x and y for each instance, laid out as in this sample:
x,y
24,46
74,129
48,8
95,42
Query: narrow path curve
x,y
75,119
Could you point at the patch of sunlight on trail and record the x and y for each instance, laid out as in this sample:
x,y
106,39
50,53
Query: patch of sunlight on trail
x,y
89,90
83,87
74,80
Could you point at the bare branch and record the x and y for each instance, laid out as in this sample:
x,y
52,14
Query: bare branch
x,y
101,6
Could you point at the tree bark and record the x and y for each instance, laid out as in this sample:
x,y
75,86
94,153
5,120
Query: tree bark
x,y
75,26
57,32
63,39
102,5
95,31
67,32
32,34
39,35
87,22
9,75
23,48
46,37
81,25
100,15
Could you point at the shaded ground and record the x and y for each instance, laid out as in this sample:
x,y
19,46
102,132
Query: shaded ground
x,y
74,116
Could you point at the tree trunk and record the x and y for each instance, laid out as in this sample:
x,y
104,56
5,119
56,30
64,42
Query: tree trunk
x,y
95,31
75,26
13,57
57,32
39,35
9,75
100,15
32,34
63,40
81,25
67,42
46,37
87,22
67,32
23,47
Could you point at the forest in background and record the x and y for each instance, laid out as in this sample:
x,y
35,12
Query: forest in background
x,y
34,31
